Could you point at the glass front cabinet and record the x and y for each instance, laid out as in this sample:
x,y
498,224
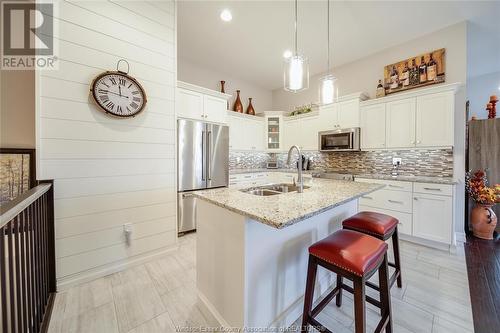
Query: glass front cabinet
x,y
274,129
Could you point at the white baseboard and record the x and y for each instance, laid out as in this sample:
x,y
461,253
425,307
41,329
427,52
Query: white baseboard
x,y
211,309
79,278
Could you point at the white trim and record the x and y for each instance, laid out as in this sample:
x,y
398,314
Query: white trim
x,y
86,276
460,237
245,116
426,242
414,93
203,90
211,309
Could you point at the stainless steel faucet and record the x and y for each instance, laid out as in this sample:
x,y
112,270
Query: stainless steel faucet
x,y
300,180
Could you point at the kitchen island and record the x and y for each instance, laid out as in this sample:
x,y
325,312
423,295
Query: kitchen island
x,y
252,250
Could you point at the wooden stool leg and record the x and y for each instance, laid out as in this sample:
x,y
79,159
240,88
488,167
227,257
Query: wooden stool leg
x,y
338,300
308,296
385,294
397,262
359,306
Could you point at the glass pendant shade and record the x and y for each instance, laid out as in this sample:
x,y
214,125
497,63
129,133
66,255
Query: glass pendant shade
x,y
328,89
296,73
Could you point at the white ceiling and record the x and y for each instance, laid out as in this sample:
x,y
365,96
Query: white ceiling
x,y
252,44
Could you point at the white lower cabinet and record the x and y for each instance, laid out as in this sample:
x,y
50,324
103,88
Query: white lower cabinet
x,y
424,210
405,219
432,217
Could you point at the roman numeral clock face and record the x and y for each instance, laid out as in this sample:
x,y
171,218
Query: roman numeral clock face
x,y
118,94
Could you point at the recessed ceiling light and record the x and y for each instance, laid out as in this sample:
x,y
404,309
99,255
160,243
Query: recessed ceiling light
x,y
287,54
226,16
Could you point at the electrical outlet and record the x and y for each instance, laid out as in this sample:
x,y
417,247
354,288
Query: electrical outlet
x,y
127,231
396,161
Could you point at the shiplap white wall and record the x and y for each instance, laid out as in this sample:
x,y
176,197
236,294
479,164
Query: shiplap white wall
x,y
109,171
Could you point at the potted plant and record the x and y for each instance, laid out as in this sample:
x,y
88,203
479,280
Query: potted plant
x,y
483,219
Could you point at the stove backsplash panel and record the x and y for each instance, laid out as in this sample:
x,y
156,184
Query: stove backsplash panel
x,y
415,162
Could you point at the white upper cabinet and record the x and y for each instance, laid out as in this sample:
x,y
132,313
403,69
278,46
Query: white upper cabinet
x,y
372,119
274,132
348,114
414,119
292,135
308,132
245,132
400,123
200,103
215,109
189,104
329,116
434,125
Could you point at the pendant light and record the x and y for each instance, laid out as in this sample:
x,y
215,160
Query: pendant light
x,y
296,75
328,89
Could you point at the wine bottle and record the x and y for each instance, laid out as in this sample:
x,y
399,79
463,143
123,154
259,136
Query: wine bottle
x,y
405,75
380,89
423,70
394,78
431,70
414,79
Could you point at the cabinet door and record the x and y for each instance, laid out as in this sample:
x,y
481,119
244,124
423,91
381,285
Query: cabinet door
x,y
273,133
400,123
215,109
432,217
348,114
435,120
291,134
190,104
255,134
373,126
236,135
308,133
329,117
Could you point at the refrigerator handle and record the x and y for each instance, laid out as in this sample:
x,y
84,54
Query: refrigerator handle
x,y
209,155
204,155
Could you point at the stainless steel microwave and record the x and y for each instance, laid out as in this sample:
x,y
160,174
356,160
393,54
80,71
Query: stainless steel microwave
x,y
346,139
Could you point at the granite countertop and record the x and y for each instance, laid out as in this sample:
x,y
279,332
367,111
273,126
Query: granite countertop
x,y
285,209
417,179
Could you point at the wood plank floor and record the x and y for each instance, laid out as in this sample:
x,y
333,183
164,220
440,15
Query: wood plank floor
x,y
483,266
160,296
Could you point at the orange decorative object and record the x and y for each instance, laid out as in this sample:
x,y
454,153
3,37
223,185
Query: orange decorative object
x,y
250,109
238,106
492,111
483,221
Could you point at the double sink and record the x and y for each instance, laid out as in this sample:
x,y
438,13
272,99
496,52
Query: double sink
x,y
272,189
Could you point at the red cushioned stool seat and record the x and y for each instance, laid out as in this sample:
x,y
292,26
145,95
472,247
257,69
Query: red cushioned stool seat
x,y
353,251
383,227
372,223
357,257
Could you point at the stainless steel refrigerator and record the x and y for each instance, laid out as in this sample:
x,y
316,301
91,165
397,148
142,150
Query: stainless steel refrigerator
x,y
203,162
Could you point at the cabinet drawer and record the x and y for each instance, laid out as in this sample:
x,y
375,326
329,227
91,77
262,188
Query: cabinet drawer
x,y
394,200
393,185
430,188
405,219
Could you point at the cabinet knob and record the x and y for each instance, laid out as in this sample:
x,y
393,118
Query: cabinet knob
x,y
418,141
415,198
413,142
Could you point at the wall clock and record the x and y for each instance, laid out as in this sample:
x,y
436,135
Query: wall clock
x,y
118,93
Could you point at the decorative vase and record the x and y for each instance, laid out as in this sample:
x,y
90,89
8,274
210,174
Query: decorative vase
x,y
250,109
238,107
483,221
222,89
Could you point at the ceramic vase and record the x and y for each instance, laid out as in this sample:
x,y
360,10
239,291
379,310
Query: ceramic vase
x,y
250,109
483,221
222,89
238,107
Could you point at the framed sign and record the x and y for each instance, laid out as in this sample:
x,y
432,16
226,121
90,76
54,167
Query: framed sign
x,y
419,71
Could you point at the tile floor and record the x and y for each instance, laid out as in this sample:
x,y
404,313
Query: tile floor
x,y
160,296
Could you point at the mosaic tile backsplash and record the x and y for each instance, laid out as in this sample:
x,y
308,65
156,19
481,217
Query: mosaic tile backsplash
x,y
415,162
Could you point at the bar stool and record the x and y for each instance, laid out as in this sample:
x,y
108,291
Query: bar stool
x,y
357,257
383,227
